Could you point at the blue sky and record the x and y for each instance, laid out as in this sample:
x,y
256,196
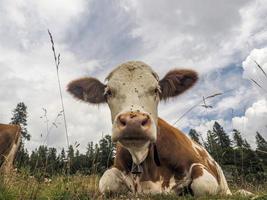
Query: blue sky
x,y
218,39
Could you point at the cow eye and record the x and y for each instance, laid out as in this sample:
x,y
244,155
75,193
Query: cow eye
x,y
108,93
157,90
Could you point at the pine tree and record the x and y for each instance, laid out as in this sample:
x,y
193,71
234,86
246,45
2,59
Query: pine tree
x,y
20,118
261,142
261,147
71,159
212,144
106,153
239,141
62,154
96,163
223,138
52,161
194,135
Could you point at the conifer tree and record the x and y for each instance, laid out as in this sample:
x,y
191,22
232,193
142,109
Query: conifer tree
x,y
261,142
212,144
106,153
239,141
223,138
20,118
261,147
194,135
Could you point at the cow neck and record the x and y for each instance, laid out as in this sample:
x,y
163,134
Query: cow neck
x,y
138,168
139,154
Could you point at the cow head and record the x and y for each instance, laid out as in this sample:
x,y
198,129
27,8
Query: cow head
x,y
132,92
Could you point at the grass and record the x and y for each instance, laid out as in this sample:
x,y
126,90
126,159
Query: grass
x,y
22,186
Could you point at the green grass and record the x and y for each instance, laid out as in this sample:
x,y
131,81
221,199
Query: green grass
x,y
80,187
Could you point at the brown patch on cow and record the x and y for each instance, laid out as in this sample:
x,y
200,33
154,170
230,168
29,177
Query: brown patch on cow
x,y
88,89
123,159
176,82
197,171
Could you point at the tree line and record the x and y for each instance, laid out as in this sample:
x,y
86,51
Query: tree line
x,y
237,158
235,155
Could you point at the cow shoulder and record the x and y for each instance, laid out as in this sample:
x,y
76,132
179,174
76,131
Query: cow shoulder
x,y
172,141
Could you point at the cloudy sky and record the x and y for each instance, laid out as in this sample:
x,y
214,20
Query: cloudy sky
x,y
218,39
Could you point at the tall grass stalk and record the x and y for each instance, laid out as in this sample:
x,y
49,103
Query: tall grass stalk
x,y
57,62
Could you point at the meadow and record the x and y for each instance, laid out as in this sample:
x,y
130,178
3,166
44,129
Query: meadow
x,y
21,185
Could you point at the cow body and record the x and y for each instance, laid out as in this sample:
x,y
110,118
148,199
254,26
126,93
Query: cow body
x,y
185,166
152,156
9,143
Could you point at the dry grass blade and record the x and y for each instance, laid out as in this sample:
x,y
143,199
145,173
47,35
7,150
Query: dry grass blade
x,y
203,100
214,95
261,151
185,113
262,70
258,84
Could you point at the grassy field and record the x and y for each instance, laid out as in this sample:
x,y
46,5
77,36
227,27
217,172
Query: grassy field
x,y
79,187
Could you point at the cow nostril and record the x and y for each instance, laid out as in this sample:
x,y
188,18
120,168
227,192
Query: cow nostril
x,y
122,121
144,122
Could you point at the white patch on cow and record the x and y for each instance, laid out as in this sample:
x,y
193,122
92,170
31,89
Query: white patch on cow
x,y
150,187
139,154
172,184
133,84
224,189
205,184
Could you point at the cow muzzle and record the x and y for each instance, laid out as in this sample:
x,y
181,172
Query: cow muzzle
x,y
133,129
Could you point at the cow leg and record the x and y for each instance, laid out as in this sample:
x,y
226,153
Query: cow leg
x,y
115,181
203,182
9,159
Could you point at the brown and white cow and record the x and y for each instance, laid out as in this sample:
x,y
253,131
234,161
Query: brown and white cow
x,y
9,143
152,156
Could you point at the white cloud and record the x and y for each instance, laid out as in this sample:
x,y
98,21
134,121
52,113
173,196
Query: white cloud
x,y
255,119
198,34
252,71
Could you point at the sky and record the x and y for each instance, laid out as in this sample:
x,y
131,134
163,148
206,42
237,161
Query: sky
x,y
218,39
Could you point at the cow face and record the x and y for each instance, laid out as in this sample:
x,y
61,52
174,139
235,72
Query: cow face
x,y
133,91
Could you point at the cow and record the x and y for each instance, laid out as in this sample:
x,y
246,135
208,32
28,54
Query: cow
x,y
10,138
152,156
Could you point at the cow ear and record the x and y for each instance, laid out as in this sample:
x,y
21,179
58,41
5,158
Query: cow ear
x,y
88,89
176,82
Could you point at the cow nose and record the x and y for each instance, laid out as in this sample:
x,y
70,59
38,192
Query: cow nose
x,y
138,120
